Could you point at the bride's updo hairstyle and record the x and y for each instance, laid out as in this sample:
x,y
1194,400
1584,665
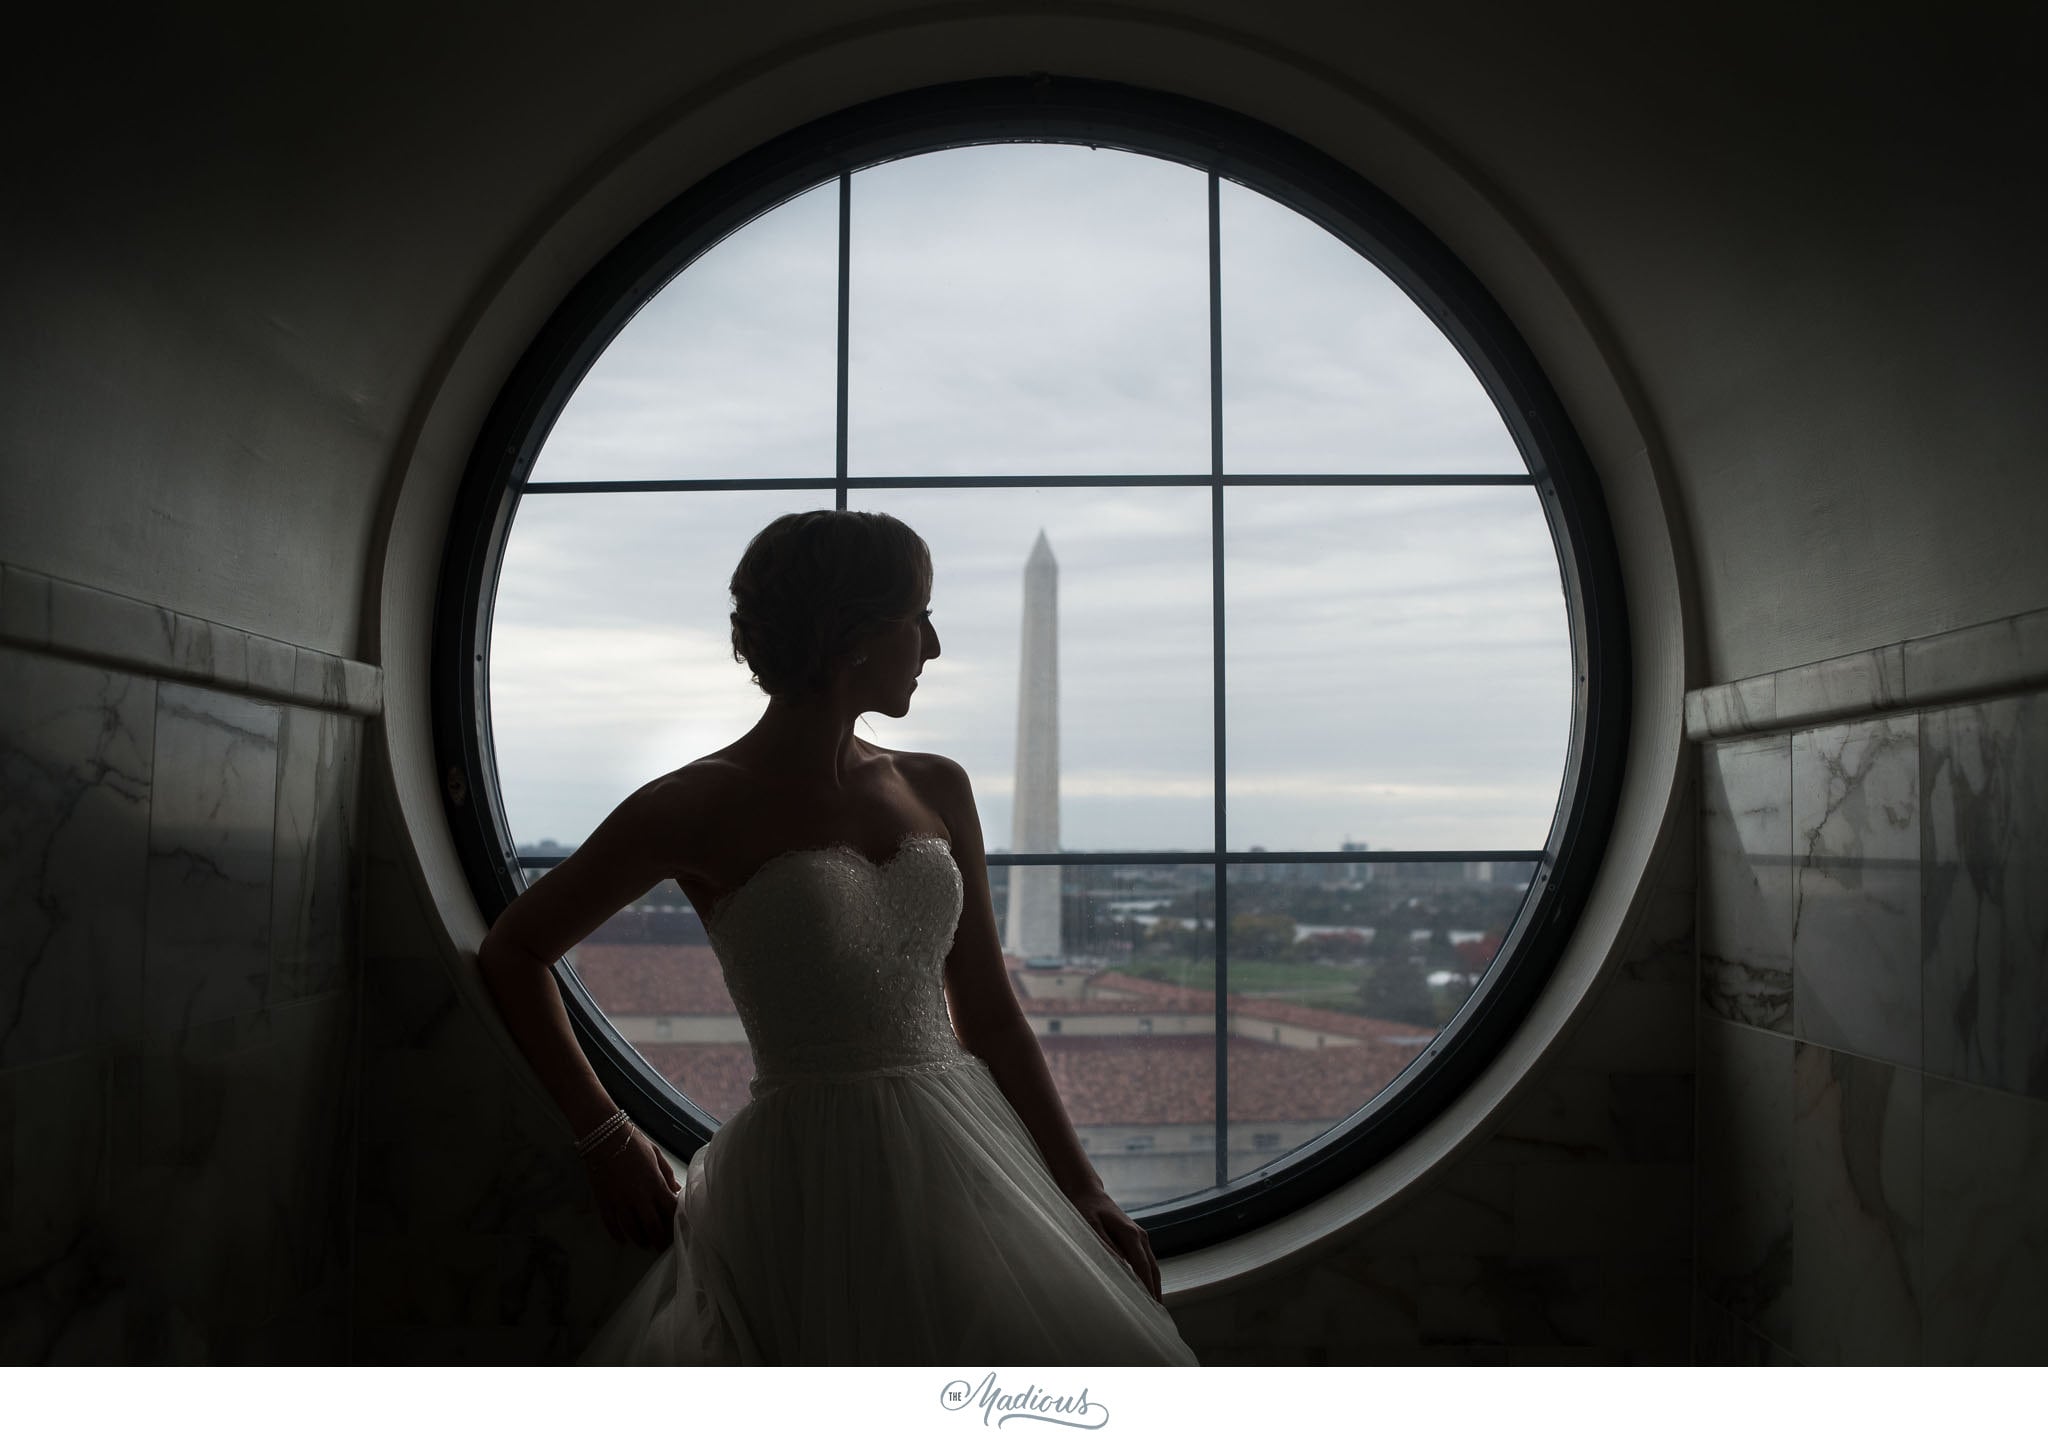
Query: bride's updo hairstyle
x,y
811,583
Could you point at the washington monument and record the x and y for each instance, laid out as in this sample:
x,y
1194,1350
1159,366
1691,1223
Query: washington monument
x,y
1033,921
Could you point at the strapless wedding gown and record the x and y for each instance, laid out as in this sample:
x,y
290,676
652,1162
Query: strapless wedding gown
x,y
877,1201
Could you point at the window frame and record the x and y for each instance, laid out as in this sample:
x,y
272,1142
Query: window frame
x,y
1044,108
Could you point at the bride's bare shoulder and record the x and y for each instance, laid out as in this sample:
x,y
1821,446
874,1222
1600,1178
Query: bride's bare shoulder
x,y
941,780
924,762
682,810
703,781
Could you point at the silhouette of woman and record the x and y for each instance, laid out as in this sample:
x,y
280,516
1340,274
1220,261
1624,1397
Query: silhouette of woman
x,y
904,1185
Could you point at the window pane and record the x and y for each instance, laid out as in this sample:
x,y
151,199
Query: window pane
x,y
1131,704
1398,668
651,969
1126,1022
611,650
729,371
1029,309
1329,367
1340,976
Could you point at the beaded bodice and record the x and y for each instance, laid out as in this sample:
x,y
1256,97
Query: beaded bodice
x,y
836,964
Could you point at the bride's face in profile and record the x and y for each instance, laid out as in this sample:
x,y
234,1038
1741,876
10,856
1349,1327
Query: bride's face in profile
x,y
896,652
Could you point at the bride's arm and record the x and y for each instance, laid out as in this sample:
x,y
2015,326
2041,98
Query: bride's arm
x,y
986,1014
992,1026
630,852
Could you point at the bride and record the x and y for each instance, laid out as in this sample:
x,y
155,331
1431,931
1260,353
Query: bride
x,y
904,1185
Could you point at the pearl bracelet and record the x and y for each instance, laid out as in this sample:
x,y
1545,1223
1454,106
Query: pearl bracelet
x,y
602,1132
624,1144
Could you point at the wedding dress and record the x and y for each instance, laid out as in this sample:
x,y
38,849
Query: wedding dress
x,y
877,1201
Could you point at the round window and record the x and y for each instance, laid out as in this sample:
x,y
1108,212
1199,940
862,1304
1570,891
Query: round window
x,y
1282,624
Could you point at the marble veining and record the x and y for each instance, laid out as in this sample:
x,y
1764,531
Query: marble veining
x,y
1984,777
1594,1116
1745,899
1720,1339
1987,1226
1872,1189
1664,946
44,613
1856,893
317,679
177,1036
232,1214
473,1214
75,766
1989,658
198,645
53,1165
273,666
1731,708
2005,655
1625,1210
24,607
1854,684
210,834
111,629
1857,1209
1745,1251
312,890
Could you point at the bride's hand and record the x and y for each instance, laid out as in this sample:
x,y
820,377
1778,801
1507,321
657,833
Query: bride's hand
x,y
636,1193
1122,1234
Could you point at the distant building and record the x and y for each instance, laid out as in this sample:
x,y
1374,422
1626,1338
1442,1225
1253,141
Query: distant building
x,y
1363,870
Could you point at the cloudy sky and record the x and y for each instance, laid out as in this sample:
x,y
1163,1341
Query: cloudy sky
x,y
1397,664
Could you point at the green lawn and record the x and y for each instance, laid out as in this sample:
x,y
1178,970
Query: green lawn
x,y
1319,986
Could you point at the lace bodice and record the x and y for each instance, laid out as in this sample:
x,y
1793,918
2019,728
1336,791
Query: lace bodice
x,y
836,964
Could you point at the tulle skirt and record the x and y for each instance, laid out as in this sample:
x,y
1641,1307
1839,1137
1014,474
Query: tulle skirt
x,y
903,1218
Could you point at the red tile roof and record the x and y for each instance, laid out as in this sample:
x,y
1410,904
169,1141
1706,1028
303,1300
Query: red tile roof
x,y
686,979
1124,1079
653,979
1102,1079
1171,1079
711,1076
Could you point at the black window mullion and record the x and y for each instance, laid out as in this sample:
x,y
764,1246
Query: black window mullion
x,y
1235,857
1221,902
677,484
845,286
1145,479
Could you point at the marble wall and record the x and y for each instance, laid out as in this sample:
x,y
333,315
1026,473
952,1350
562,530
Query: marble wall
x,y
177,1012
476,1239
1873,1151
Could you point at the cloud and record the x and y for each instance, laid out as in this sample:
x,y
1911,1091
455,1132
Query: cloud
x,y
1397,659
